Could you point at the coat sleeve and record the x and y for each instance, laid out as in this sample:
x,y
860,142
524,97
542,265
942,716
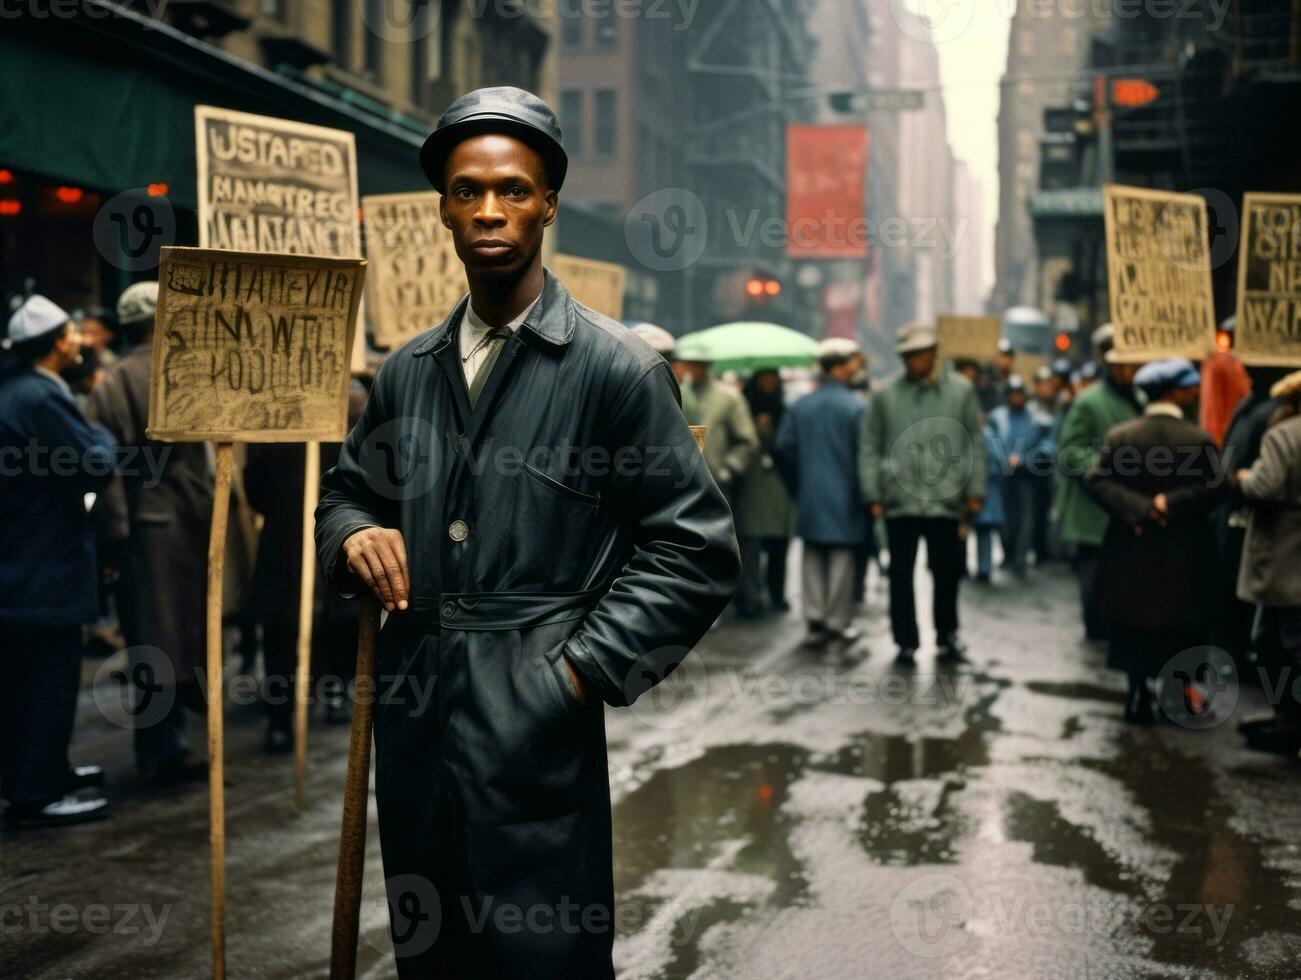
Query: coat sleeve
x,y
349,500
112,518
1194,500
81,452
1266,481
743,439
976,483
869,457
685,563
786,452
1076,454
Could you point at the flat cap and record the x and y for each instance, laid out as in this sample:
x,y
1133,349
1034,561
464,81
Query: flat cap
x,y
1015,383
1104,338
138,302
35,317
836,349
1005,346
915,337
1171,372
659,339
506,110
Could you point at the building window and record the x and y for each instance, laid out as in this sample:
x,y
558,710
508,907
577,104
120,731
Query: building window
x,y
571,120
341,32
607,31
374,44
571,29
607,126
426,56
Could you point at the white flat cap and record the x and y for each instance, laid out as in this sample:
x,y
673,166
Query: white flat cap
x,y
660,340
836,348
35,317
139,301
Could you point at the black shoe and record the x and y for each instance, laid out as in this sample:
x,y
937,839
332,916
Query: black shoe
x,y
781,606
84,777
983,578
60,813
176,771
906,657
952,650
279,740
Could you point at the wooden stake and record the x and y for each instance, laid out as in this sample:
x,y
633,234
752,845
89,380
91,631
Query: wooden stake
x,y
216,786
306,595
356,799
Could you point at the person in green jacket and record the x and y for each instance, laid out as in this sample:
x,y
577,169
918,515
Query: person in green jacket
x,y
923,469
732,438
1082,520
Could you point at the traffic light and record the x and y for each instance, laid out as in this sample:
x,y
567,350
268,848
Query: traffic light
x,y
762,289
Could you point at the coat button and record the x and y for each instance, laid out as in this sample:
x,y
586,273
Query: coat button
x,y
459,531
449,610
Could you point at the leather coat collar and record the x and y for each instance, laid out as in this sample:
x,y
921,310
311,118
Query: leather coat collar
x,y
552,320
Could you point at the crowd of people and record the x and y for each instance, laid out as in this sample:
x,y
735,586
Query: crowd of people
x,y
1181,533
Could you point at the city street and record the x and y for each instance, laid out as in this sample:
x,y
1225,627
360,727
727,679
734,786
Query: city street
x,y
773,818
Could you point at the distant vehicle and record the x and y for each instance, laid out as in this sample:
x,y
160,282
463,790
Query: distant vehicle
x,y
1032,331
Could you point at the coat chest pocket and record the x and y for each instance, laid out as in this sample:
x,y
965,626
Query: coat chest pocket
x,y
561,489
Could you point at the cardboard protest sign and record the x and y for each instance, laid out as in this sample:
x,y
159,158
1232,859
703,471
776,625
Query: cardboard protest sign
x,y
1027,364
1269,281
252,347
1159,274
274,185
599,285
971,337
413,278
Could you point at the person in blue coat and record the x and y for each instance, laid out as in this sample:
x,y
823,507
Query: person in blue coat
x,y
1022,436
51,460
818,444
991,517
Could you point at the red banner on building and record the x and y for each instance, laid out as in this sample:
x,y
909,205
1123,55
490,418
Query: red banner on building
x,y
826,192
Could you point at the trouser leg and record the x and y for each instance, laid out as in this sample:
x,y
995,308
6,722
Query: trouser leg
x,y
841,569
984,550
750,593
814,583
902,535
280,655
944,556
776,550
38,699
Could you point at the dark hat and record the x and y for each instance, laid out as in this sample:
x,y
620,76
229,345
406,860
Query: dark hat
x,y
510,111
1172,372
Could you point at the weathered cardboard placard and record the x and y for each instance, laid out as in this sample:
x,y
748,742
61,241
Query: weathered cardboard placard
x,y
252,347
1159,274
1269,281
274,185
1027,364
414,278
599,285
971,337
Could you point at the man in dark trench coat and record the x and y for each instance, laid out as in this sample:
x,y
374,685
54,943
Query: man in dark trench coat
x,y
525,497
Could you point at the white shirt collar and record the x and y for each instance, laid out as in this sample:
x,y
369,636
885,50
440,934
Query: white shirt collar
x,y
474,323
1164,408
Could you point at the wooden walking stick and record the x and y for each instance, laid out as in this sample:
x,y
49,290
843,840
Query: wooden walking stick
x,y
306,596
216,787
356,797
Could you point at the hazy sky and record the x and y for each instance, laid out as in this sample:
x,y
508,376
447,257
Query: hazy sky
x,y
971,36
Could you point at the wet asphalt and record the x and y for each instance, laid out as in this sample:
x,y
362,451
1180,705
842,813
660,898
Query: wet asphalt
x,y
776,815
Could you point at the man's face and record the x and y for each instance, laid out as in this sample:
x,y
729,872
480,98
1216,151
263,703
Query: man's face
x,y
1045,390
918,364
94,333
1016,399
497,204
1003,364
68,347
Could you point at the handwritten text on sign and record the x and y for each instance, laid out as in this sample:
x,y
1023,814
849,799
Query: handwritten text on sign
x,y
1269,281
1159,270
252,347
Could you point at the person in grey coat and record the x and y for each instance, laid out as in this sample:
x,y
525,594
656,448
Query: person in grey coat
x,y
818,443
1270,574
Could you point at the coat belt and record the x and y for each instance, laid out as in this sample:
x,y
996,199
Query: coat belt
x,y
484,611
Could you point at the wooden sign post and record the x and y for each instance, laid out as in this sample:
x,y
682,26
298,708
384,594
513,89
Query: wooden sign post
x,y
1159,274
973,338
1269,281
414,278
279,186
249,348
599,285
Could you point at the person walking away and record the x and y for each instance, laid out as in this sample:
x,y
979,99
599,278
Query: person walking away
x,y
557,542
51,460
991,518
1158,477
1022,438
731,438
922,468
860,383
160,512
1045,406
1081,520
819,444
765,512
1270,573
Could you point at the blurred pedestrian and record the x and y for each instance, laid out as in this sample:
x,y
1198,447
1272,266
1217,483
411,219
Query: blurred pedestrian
x,y
161,507
992,517
52,459
860,383
819,443
923,469
1270,574
1022,438
1224,383
765,512
1081,520
1158,477
731,438
1047,408
100,332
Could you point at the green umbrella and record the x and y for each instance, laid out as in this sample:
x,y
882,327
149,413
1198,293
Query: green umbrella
x,y
747,347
